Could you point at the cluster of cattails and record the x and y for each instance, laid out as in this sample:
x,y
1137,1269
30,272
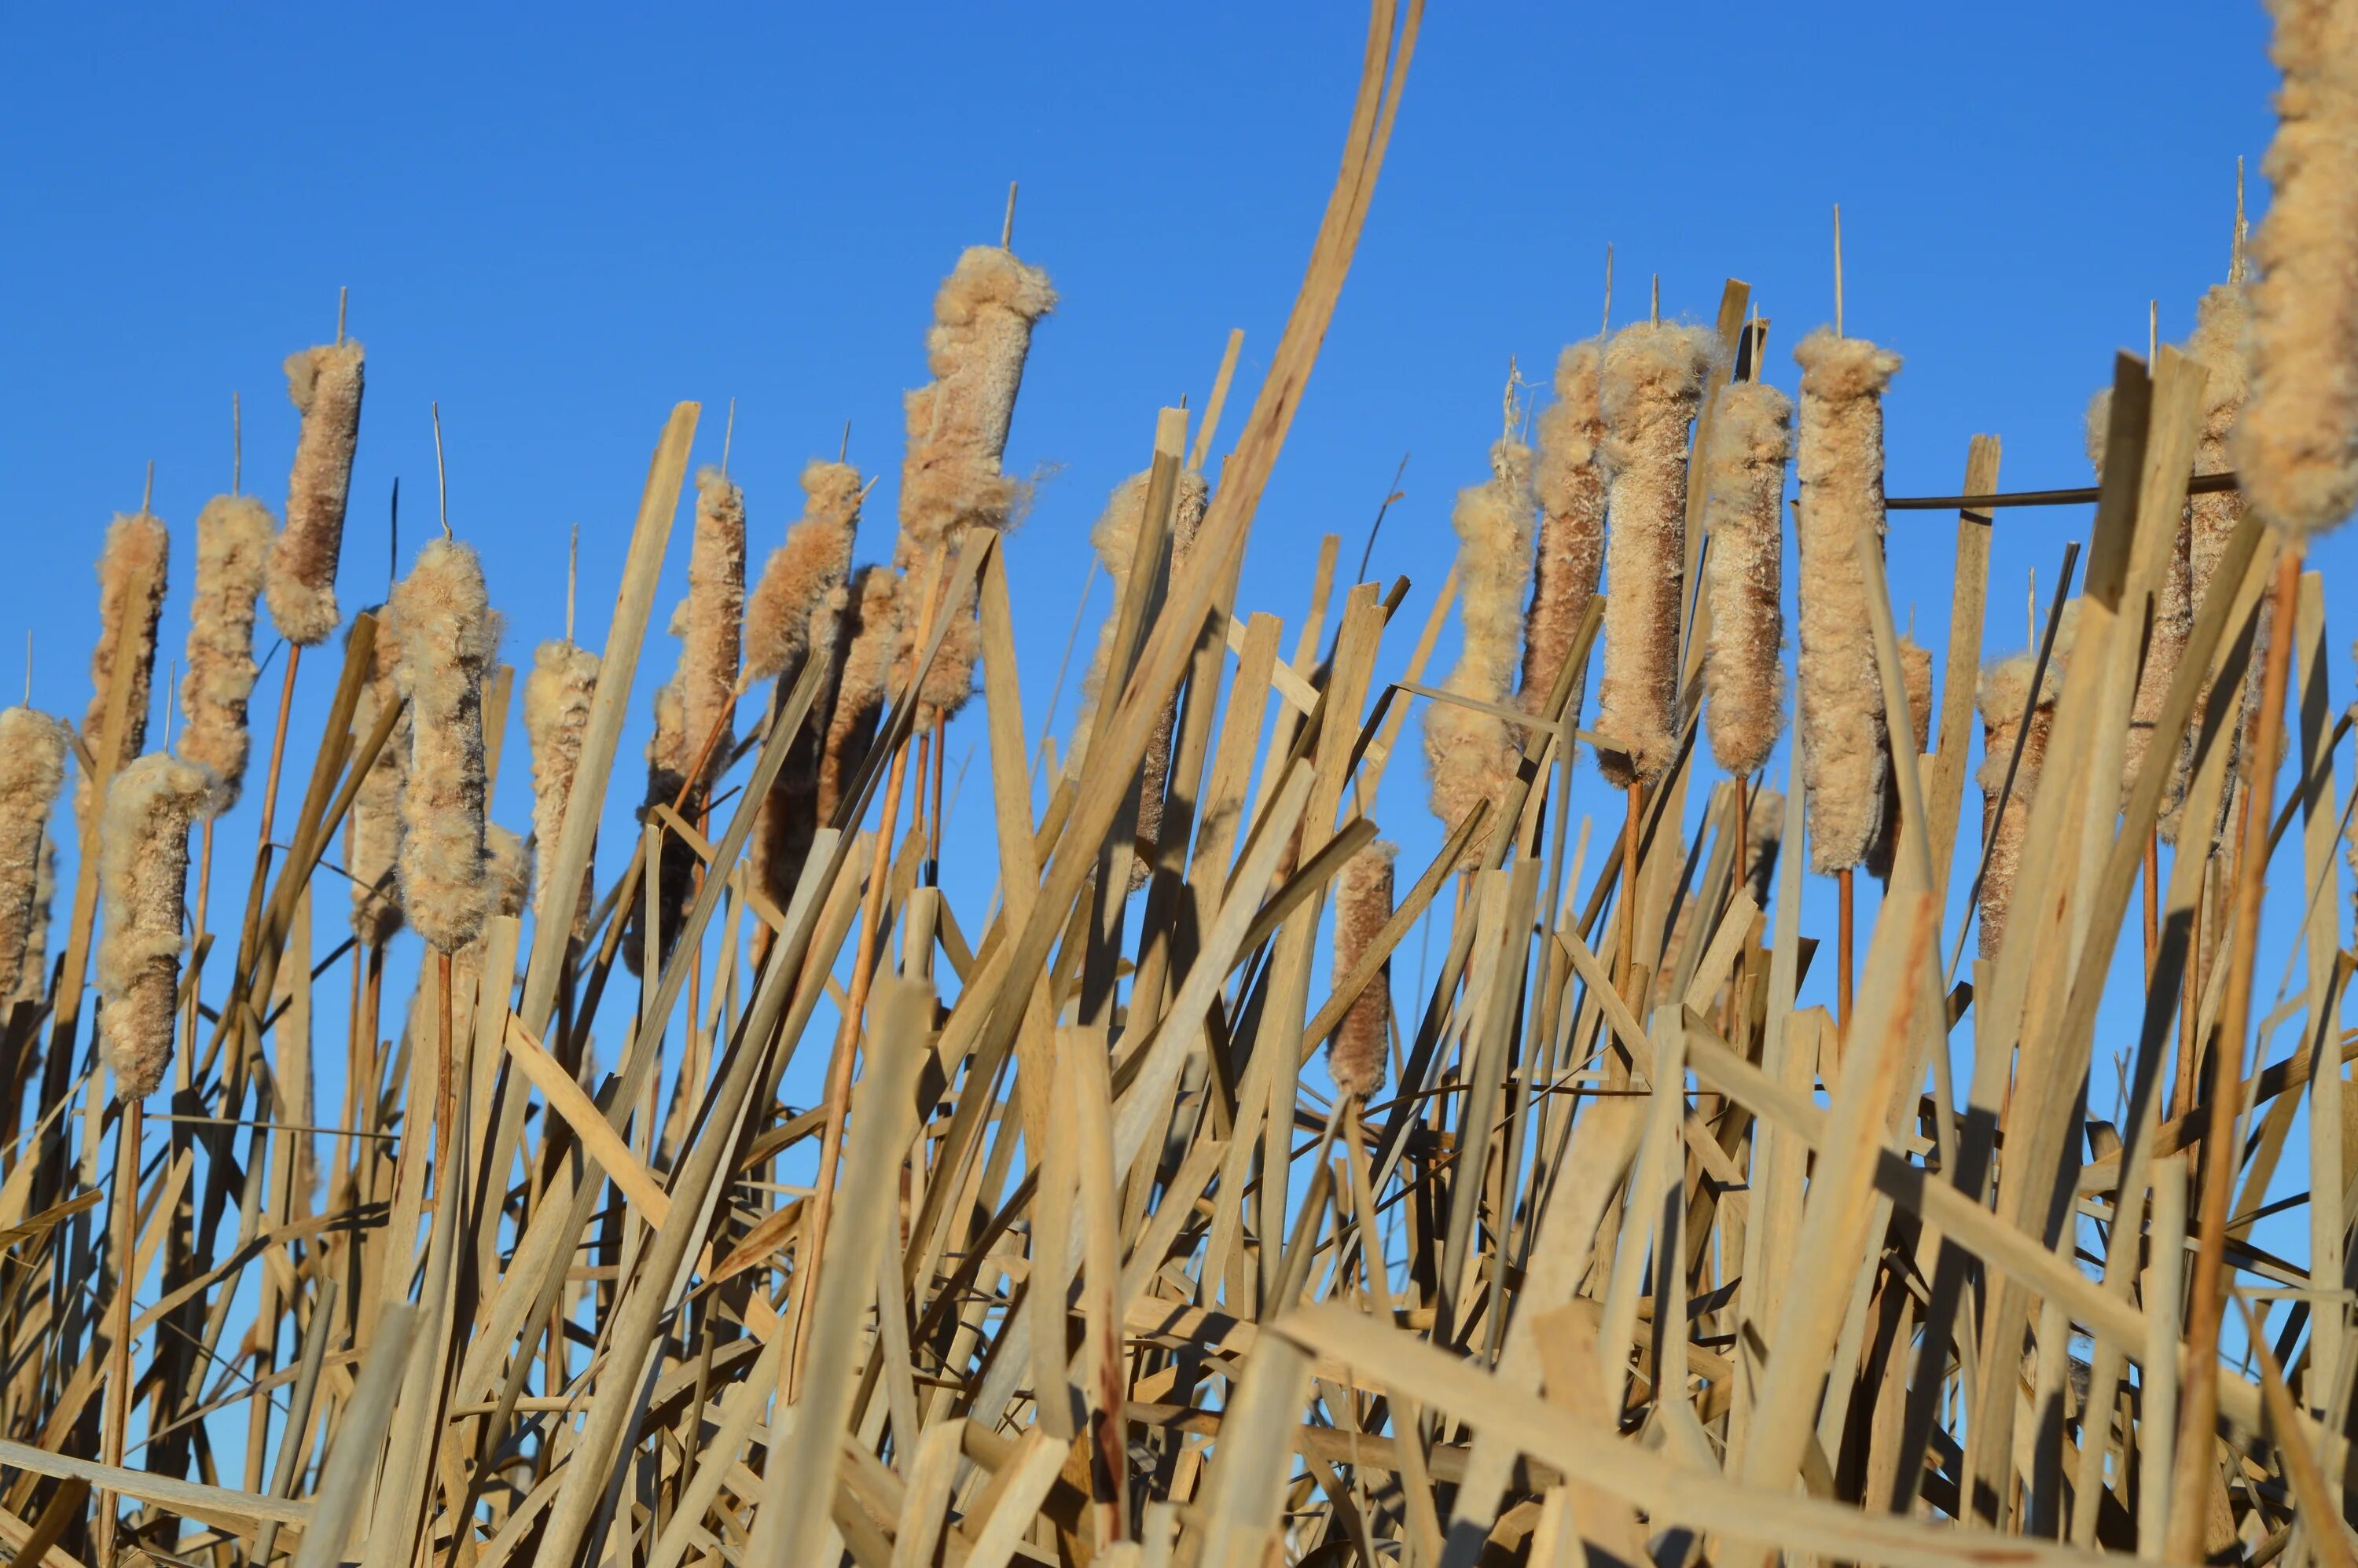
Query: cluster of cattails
x,y
131,583
2295,450
1360,1050
325,384
142,876
556,717
1468,751
232,550
1568,480
32,771
1842,727
373,826
449,635
2012,713
1743,466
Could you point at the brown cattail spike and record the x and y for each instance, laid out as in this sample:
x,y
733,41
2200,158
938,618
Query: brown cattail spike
x,y
1467,751
555,717
2295,450
2005,699
792,609
138,551
714,616
32,977
325,384
373,828
1844,762
1743,672
1653,380
871,621
448,636
1764,836
142,880
32,771
232,543
1569,479
1360,1051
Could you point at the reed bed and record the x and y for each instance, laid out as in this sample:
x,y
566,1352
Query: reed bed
x,y
1528,1207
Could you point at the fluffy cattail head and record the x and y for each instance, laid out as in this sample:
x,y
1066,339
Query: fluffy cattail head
x,y
1357,1057
131,583
448,635
667,760
1764,836
2295,450
872,628
712,620
2007,706
232,543
32,771
373,828
1568,477
556,716
143,872
325,384
31,981
1654,376
788,612
1743,673
1842,721
1467,751
2221,323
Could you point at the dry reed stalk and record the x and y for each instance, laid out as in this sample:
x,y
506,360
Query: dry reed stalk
x,y
1653,380
1468,752
870,630
1744,675
1842,721
1568,477
324,383
2005,699
1360,1050
448,635
2295,450
712,620
373,829
143,877
232,547
557,696
32,771
798,603
138,551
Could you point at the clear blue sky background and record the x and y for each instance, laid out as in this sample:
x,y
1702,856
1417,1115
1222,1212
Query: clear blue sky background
x,y
557,221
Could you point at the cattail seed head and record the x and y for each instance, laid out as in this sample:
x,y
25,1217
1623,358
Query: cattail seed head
x,y
1841,720
871,625
233,544
1360,1051
1653,381
2005,699
31,981
32,771
1467,752
137,549
143,872
1743,672
667,760
1568,477
714,616
2295,450
448,635
1916,685
373,826
793,607
324,383
1764,836
556,697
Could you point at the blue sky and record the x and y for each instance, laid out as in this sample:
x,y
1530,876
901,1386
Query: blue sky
x,y
558,221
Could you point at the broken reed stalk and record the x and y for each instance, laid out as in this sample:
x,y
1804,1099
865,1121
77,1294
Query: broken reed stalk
x,y
1568,479
232,547
1468,752
133,570
1653,380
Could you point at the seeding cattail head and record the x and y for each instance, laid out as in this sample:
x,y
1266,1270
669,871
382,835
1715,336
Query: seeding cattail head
x,y
1363,902
2222,321
32,976
667,760
131,581
507,866
2099,427
32,771
232,543
1842,721
1468,751
555,717
325,384
448,635
1654,377
872,627
1568,477
1916,685
950,479
2296,449
1764,835
714,615
143,871
372,827
1743,673
784,616
2007,707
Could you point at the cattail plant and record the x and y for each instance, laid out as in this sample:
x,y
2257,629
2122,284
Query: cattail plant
x,y
556,716
1764,836
1842,721
137,553
32,771
2007,707
233,547
1568,477
373,826
1467,751
448,634
2295,450
143,872
325,383
1653,381
1751,438
667,761
713,618
31,981
1916,685
870,626
1360,1051
794,608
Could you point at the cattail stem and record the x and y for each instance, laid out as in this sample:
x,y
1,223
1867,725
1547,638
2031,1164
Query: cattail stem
x,y
122,1227
2152,898
934,818
278,747
1629,883
1843,939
